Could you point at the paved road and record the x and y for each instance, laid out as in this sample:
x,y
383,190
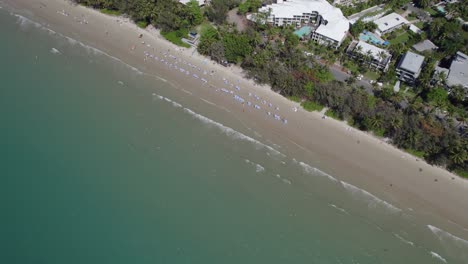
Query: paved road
x,y
342,76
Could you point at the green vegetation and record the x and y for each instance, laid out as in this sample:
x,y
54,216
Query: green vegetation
x,y
431,11
112,12
176,37
294,98
331,113
249,6
401,38
419,24
411,16
419,154
311,106
372,75
461,173
142,24
360,26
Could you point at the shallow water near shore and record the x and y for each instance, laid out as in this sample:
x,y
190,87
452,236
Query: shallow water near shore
x,y
104,164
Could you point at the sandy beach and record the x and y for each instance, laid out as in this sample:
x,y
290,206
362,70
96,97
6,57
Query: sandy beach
x,y
333,147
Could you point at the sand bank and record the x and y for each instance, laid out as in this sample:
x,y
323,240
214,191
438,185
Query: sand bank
x,y
346,153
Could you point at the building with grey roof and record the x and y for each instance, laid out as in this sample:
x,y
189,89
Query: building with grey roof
x,y
409,67
458,74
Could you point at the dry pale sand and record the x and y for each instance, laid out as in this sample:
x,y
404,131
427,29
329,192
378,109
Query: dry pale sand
x,y
348,154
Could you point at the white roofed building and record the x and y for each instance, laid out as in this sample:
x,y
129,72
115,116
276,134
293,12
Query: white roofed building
x,y
379,58
330,25
389,23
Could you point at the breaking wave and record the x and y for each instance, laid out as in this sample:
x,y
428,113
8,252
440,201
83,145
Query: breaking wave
x,y
23,21
55,51
258,167
404,240
312,170
437,256
231,132
339,208
226,130
374,201
447,237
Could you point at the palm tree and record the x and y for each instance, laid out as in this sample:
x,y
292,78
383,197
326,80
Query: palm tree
x,y
369,57
381,55
458,154
396,123
376,121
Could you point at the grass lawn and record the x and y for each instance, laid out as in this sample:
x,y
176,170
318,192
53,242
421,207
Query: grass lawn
x,y
332,114
461,173
411,16
142,24
351,66
431,11
111,12
402,38
419,154
399,11
176,37
311,106
296,99
420,24
371,75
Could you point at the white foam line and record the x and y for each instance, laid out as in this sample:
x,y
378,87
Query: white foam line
x,y
314,171
339,208
374,199
441,234
208,102
55,51
185,91
72,41
404,240
231,132
259,168
437,256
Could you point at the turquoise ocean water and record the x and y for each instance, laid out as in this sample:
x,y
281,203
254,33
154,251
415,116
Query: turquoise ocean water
x,y
101,164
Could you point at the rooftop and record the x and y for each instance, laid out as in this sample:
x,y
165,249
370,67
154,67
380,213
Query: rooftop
x,y
336,27
411,62
390,21
458,71
375,51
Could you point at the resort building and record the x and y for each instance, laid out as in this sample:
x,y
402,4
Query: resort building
x,y
389,23
409,67
458,72
378,58
329,26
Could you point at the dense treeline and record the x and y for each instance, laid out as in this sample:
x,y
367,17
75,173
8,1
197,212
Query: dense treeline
x,y
275,56
167,15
